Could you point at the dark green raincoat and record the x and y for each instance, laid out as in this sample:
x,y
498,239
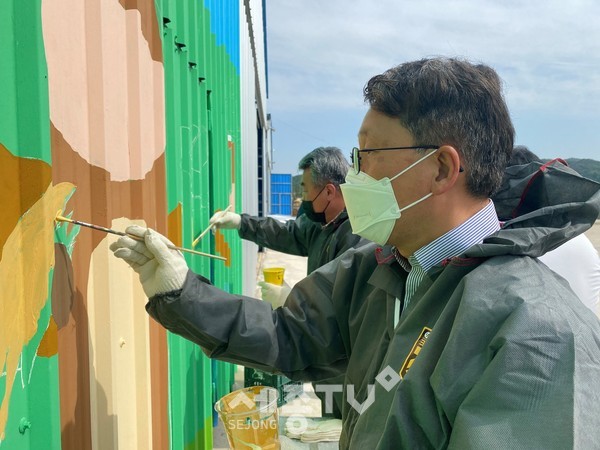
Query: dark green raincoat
x,y
302,237
493,351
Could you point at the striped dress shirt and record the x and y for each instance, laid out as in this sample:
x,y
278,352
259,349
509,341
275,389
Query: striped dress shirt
x,y
473,231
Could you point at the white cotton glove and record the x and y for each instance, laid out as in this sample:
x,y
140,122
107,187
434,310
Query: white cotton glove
x,y
313,430
274,294
160,269
227,220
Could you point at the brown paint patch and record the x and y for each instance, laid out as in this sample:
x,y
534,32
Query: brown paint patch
x,y
174,226
49,344
222,247
99,200
28,256
159,376
22,183
149,25
63,288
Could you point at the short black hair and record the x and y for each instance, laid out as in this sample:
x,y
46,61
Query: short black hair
x,y
450,101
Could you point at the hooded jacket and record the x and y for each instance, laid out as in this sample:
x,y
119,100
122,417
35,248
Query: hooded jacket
x,y
302,237
493,351
577,260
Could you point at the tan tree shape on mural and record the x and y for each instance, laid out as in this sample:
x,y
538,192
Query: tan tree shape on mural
x,y
27,257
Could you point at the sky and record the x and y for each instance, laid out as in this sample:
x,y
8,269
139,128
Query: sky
x,y
322,52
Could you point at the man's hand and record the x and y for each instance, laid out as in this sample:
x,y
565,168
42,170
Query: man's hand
x,y
274,294
227,220
160,269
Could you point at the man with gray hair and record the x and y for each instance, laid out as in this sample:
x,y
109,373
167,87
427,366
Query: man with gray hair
x,y
322,232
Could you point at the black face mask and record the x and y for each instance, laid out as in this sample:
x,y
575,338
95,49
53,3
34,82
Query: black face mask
x,y
307,207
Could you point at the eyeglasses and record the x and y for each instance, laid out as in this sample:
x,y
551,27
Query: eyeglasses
x,y
355,157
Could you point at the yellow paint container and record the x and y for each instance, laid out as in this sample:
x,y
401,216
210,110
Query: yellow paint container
x,y
251,418
274,275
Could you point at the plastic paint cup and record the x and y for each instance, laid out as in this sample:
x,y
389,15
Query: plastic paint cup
x,y
274,275
251,418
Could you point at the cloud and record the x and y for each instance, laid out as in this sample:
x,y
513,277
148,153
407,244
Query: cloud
x,y
321,53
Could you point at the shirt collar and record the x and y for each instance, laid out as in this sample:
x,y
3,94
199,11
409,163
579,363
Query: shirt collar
x,y
473,231
338,218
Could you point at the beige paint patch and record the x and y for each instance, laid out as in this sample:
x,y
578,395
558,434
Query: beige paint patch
x,y
97,54
27,258
119,347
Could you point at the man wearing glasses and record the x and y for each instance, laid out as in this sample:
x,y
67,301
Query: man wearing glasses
x,y
448,329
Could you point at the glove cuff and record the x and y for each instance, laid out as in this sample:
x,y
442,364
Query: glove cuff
x,y
283,295
176,282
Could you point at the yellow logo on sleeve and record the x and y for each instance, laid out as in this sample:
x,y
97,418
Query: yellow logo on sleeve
x,y
414,352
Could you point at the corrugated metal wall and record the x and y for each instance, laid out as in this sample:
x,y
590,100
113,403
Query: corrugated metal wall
x,y
116,111
29,395
201,48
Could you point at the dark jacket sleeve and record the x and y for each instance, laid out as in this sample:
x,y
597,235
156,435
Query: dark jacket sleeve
x,y
292,237
345,240
301,340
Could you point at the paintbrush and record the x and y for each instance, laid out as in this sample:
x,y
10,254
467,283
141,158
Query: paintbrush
x,y
60,218
208,228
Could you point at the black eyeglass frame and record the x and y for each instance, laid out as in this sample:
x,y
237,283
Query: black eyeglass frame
x,y
355,157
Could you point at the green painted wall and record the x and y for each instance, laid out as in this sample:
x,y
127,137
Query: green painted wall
x,y
202,153
24,117
25,132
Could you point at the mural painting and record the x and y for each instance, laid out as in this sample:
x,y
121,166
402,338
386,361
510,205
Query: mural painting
x,y
96,81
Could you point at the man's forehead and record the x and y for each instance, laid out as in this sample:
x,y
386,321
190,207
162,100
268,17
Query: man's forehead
x,y
306,177
370,125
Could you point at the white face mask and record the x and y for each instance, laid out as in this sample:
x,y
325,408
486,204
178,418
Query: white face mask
x,y
372,206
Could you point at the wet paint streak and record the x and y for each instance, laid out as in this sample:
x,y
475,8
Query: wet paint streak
x,y
28,256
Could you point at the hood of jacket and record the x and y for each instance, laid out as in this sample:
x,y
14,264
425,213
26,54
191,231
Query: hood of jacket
x,y
542,205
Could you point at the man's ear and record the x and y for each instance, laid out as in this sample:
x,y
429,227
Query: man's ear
x,y
448,169
331,190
